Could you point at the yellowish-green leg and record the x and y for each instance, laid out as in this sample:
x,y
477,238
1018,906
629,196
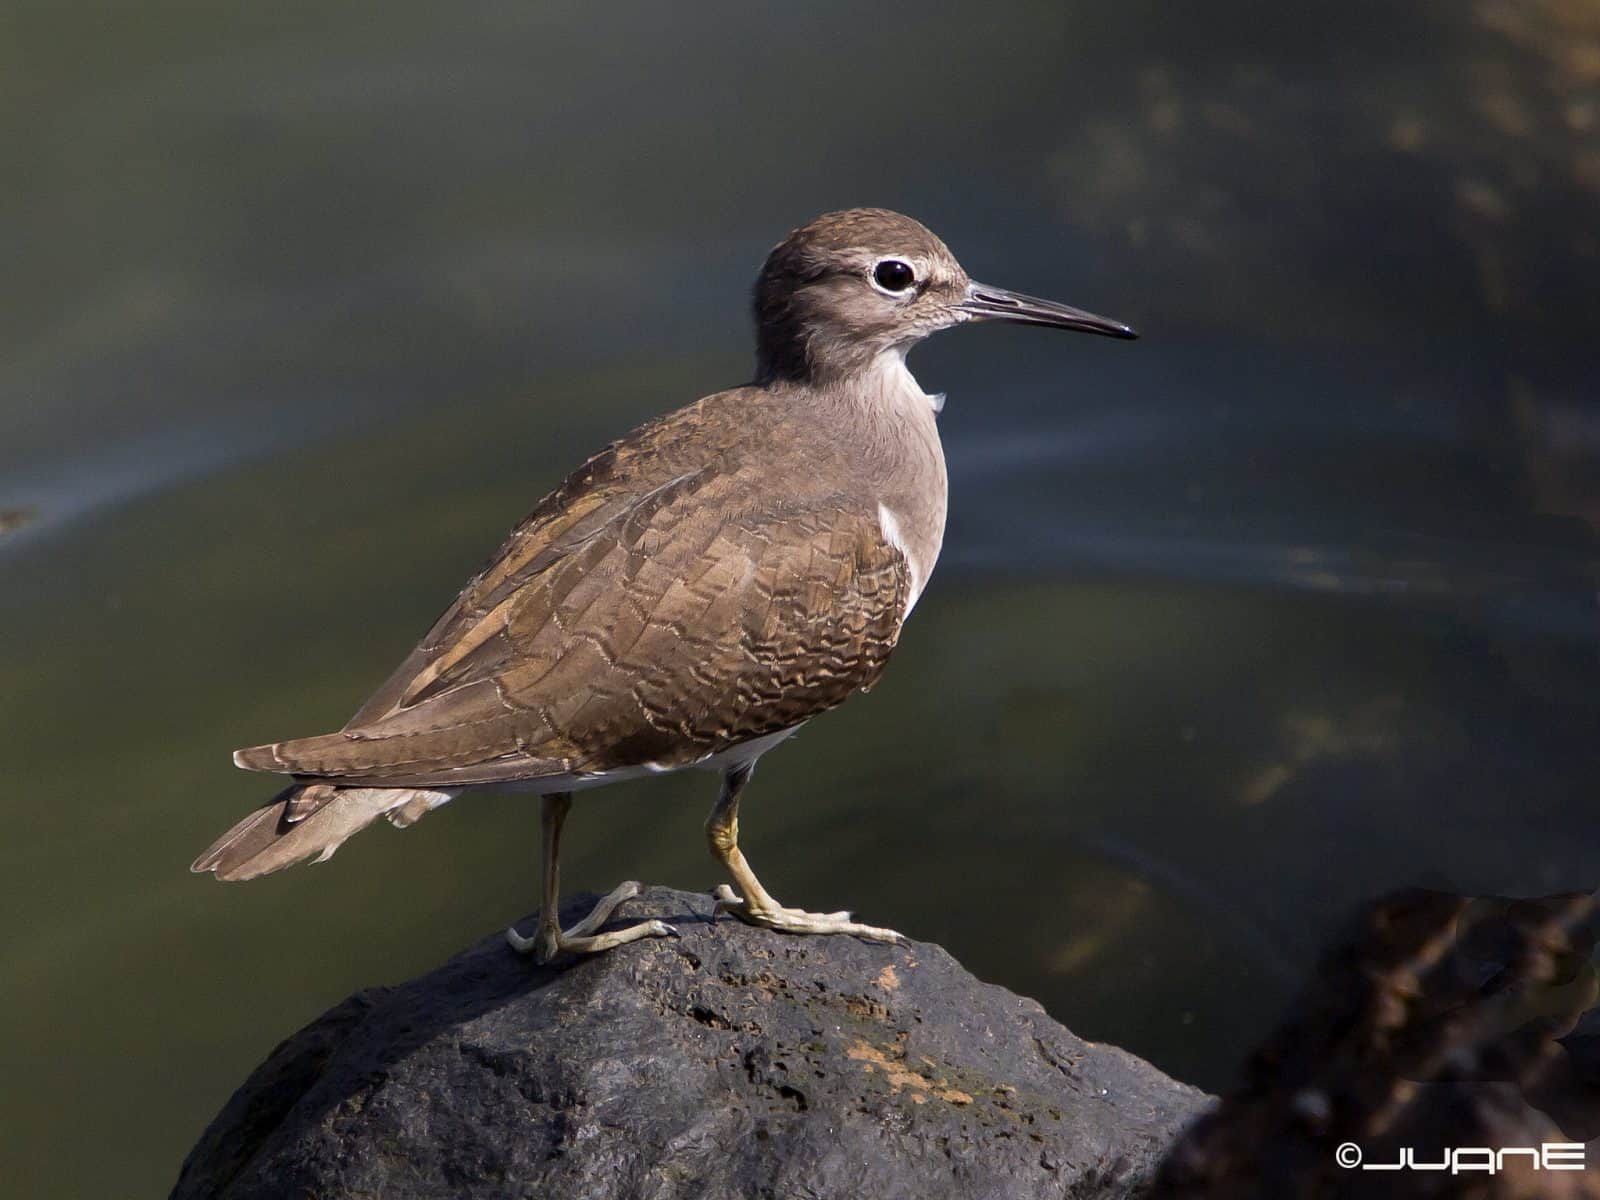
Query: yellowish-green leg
x,y
551,939
752,902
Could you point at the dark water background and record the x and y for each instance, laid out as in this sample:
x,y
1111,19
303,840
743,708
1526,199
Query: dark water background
x,y
1289,603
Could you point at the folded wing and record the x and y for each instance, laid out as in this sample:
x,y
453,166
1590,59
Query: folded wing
x,y
646,613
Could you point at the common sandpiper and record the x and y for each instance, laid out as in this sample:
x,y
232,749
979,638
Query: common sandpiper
x,y
689,597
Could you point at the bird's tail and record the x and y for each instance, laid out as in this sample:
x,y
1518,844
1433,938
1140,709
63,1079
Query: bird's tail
x,y
310,821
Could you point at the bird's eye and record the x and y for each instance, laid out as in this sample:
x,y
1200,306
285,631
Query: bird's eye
x,y
892,275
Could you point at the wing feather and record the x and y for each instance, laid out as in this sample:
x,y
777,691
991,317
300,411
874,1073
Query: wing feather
x,y
648,611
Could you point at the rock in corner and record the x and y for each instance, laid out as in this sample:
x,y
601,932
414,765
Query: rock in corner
x,y
729,1063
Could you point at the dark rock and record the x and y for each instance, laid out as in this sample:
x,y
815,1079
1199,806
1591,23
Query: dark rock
x,y
1435,1024
732,1062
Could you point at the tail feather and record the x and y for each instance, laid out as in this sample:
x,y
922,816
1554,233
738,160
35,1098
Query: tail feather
x,y
309,821
307,800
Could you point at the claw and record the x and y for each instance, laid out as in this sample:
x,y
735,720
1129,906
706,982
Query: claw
x,y
552,940
795,920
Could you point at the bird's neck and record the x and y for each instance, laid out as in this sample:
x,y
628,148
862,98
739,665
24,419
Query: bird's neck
x,y
881,387
887,422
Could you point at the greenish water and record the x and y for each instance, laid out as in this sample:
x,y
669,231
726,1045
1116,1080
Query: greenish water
x,y
1287,604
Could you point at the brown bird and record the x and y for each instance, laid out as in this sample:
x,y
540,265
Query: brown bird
x,y
689,597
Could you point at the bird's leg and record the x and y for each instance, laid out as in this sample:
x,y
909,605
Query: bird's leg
x,y
551,939
752,902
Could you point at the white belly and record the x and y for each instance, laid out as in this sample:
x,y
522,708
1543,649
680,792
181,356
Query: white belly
x,y
743,754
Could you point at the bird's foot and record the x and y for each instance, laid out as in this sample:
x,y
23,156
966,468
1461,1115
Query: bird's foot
x,y
551,939
795,920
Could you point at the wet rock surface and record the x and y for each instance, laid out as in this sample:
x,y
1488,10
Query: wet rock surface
x,y
730,1062
1435,1024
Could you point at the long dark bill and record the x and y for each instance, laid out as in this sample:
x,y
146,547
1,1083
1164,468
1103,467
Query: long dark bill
x,y
998,304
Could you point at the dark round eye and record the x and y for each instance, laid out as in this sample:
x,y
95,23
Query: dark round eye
x,y
892,275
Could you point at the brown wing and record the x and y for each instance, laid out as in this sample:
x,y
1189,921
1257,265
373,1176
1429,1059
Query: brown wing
x,y
644,614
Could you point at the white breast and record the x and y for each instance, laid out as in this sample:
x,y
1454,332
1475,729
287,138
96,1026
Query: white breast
x,y
906,464
890,525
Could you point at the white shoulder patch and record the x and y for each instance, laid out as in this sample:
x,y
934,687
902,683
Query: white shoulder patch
x,y
890,525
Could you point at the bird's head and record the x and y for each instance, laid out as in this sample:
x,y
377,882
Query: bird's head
x,y
840,292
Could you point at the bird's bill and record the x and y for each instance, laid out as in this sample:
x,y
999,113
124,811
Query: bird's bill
x,y
987,303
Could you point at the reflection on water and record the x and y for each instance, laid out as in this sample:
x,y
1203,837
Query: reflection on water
x,y
1290,604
